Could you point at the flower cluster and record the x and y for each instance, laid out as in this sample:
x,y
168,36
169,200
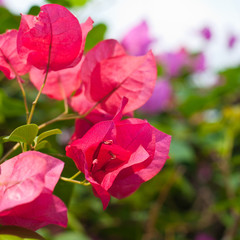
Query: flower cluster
x,y
115,155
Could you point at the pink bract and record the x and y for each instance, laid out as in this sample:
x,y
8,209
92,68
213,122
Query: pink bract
x,y
27,183
173,62
59,84
160,98
10,62
137,41
118,156
109,74
232,39
206,33
53,38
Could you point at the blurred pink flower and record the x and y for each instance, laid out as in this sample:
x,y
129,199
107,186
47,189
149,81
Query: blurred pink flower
x,y
160,98
203,236
206,33
137,41
173,62
198,63
232,41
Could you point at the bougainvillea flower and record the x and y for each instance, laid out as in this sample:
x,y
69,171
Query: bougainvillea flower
x,y
160,98
109,74
117,156
203,236
10,63
232,41
80,104
137,41
60,84
197,63
26,199
174,62
206,33
54,38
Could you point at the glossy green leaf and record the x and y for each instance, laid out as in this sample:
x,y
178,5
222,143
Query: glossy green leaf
x,y
25,134
95,36
18,233
43,144
8,20
47,134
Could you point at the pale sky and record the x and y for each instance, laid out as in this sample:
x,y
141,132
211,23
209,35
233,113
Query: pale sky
x,y
174,23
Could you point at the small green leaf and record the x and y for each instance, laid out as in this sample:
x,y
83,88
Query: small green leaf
x,y
25,134
43,144
95,36
18,233
47,134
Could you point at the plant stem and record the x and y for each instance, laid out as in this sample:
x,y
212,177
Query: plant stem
x,y
84,183
15,147
75,175
37,97
22,89
24,96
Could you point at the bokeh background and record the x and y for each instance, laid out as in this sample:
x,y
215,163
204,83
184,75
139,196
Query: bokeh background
x,y
196,100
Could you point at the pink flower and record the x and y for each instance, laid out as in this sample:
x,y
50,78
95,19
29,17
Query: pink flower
x,y
137,40
53,38
198,63
160,98
203,236
108,74
10,62
26,199
206,33
118,156
232,41
174,62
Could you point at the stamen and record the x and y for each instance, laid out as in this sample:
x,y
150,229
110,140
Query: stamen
x,y
113,155
108,142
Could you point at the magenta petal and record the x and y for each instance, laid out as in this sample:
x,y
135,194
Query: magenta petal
x,y
100,192
160,98
137,41
60,84
23,180
46,209
55,32
108,72
137,157
10,62
26,199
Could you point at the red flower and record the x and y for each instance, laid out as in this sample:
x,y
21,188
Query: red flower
x,y
108,74
56,34
10,63
26,185
117,156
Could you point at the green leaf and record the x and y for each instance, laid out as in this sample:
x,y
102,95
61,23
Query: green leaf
x,y
25,134
43,144
47,134
18,233
95,36
181,152
8,20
